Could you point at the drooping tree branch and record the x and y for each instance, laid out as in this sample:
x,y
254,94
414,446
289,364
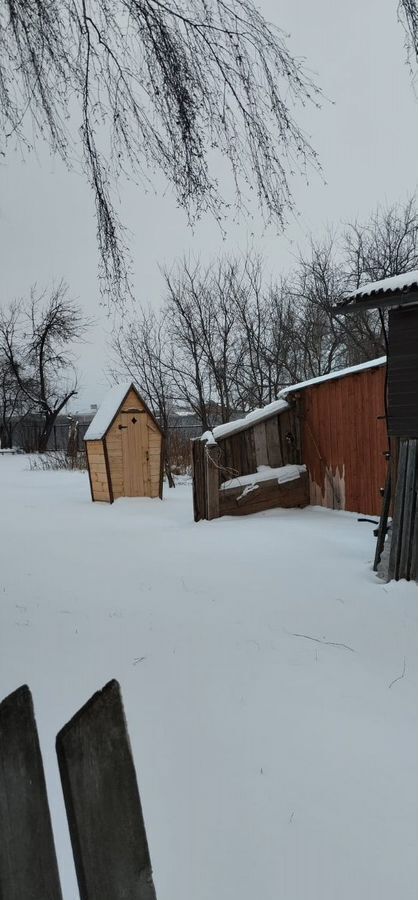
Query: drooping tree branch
x,y
142,85
408,16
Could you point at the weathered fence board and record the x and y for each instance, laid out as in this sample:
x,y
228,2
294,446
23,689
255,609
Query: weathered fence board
x,y
212,453
267,495
28,865
260,441
408,511
102,800
397,521
274,450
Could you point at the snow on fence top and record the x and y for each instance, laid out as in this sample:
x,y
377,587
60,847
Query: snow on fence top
x,y
332,376
265,473
107,411
280,405
395,283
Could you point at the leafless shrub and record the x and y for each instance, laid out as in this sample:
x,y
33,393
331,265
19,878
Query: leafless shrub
x,y
56,460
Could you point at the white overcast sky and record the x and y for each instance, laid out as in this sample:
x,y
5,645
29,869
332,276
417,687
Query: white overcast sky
x,y
367,141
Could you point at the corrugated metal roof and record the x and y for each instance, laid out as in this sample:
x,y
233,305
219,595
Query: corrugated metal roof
x,y
394,285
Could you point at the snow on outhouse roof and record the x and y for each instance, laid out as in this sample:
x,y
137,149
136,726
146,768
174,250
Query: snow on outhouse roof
x,y
332,376
397,283
107,411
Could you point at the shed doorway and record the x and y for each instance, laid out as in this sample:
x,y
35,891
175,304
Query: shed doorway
x,y
135,446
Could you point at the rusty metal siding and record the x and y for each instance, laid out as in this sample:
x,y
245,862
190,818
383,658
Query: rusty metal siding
x,y
344,440
403,373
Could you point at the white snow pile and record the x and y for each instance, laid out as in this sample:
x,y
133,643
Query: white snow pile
x,y
265,473
107,411
269,682
394,283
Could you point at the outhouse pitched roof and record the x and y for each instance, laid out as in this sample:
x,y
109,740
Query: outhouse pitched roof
x,y
107,411
109,408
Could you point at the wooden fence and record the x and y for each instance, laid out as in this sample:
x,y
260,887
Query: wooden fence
x,y
274,442
102,802
212,497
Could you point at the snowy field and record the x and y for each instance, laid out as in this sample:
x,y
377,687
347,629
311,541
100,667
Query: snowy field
x,y
272,765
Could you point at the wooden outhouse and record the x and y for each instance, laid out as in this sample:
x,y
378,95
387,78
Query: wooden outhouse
x,y
125,448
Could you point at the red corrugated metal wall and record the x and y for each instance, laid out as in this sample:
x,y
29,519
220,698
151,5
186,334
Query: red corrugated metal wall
x,y
344,440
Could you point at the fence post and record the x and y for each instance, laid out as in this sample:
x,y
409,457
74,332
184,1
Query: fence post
x,y
212,458
102,800
28,865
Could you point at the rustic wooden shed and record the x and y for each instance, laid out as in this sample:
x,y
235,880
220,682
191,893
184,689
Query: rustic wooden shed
x,y
238,468
333,425
398,295
125,448
343,436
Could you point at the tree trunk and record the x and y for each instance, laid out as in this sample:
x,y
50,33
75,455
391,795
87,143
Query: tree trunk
x,y
46,430
169,474
6,436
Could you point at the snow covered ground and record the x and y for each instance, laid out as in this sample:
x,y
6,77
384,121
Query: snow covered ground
x,y
271,764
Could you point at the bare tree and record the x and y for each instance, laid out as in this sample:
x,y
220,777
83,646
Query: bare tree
x,y
36,339
156,84
385,245
14,406
408,16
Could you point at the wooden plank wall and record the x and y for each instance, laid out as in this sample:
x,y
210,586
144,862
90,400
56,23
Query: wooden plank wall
x,y
273,442
403,372
344,440
267,495
97,469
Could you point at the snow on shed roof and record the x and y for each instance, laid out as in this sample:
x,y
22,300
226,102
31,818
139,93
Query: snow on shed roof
x,y
332,376
396,283
281,404
256,415
107,411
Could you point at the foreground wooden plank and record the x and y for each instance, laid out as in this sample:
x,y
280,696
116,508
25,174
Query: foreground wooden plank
x,y
28,865
102,801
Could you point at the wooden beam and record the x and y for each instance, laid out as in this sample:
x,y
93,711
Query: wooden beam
x,y
409,508
383,521
108,474
102,800
28,864
397,520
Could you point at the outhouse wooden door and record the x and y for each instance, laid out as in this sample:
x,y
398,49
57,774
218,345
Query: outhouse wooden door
x,y
135,453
